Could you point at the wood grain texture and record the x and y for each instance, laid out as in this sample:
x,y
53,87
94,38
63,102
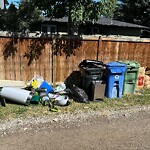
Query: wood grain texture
x,y
56,58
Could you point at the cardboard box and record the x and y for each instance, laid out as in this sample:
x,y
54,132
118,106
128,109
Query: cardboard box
x,y
140,80
98,90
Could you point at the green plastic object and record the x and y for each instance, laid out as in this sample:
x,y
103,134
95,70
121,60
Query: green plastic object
x,y
35,99
131,76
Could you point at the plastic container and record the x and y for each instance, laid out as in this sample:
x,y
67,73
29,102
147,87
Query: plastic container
x,y
60,88
46,86
131,76
92,72
115,79
36,81
61,100
35,99
45,100
92,69
16,94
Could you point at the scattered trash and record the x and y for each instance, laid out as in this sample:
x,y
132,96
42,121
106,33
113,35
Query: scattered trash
x,y
60,88
35,84
53,96
36,81
40,92
54,109
35,99
55,120
61,100
79,95
3,102
93,76
16,94
45,100
47,86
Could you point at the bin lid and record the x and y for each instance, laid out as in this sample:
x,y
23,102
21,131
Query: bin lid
x,y
130,64
117,70
115,64
92,71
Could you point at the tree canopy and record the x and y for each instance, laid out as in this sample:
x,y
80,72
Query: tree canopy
x,y
19,18
134,11
9,19
77,11
29,12
109,8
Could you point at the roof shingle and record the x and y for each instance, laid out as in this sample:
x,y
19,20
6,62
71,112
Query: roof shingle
x,y
103,21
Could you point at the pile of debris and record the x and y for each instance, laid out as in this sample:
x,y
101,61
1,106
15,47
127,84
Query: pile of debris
x,y
39,91
112,80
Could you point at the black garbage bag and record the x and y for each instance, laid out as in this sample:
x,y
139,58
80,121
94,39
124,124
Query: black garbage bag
x,y
78,95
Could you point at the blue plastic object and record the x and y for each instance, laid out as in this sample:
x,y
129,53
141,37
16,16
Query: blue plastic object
x,y
46,86
115,79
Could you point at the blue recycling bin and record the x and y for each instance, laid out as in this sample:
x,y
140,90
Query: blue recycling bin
x,y
115,79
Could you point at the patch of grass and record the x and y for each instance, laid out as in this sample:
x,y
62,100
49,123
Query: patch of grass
x,y
19,110
12,111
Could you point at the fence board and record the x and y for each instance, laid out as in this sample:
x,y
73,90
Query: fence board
x,y
22,58
1,58
146,56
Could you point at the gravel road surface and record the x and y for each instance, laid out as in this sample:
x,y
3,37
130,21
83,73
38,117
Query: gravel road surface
x,y
108,130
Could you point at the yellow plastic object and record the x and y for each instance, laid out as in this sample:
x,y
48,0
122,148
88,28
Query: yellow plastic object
x,y
35,84
54,109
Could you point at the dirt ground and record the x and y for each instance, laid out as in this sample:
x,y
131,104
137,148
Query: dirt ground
x,y
101,133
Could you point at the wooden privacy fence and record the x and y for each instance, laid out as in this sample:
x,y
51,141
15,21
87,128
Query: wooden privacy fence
x,y
55,59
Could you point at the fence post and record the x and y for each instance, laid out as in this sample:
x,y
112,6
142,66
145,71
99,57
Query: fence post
x,y
98,47
53,62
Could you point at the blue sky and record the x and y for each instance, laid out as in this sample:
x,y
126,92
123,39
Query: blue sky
x,y
14,1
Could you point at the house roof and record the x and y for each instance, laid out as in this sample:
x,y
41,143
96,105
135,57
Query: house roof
x,y
64,19
103,21
110,22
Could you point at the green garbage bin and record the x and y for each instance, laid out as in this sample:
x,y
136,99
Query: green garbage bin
x,y
131,75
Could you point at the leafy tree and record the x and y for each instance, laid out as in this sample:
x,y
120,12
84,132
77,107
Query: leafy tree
x,y
77,11
23,16
11,18
134,11
2,19
27,15
19,18
109,8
